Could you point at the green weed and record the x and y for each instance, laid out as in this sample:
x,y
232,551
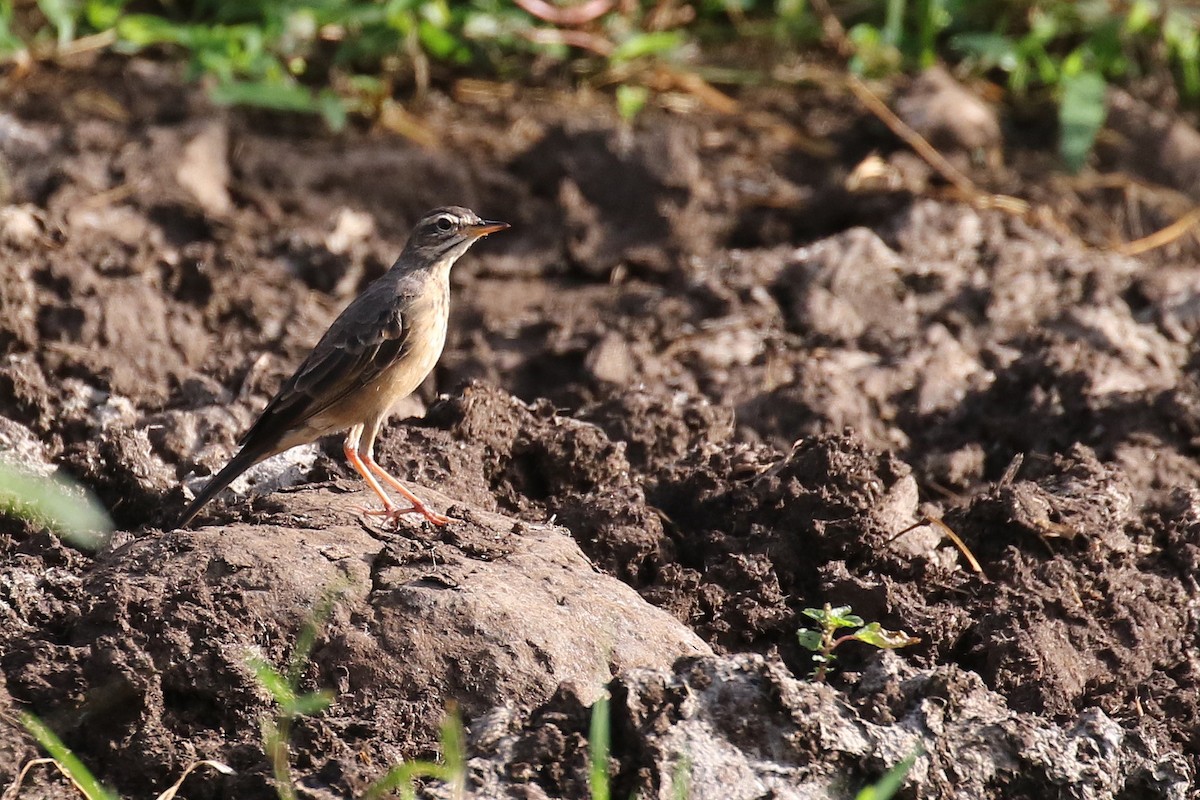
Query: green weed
x,y
452,769
339,57
824,640
283,686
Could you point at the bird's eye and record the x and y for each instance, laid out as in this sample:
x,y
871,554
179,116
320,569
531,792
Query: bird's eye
x,y
444,224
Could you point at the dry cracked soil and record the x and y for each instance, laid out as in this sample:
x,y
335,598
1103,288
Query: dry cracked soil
x,y
709,379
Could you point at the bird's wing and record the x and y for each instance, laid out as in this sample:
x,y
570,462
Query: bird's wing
x,y
367,338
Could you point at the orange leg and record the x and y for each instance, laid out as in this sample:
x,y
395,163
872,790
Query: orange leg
x,y
362,458
417,506
361,469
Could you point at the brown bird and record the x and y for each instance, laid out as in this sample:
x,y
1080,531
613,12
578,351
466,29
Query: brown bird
x,y
375,353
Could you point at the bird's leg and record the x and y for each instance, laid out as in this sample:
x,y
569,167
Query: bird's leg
x,y
350,448
366,453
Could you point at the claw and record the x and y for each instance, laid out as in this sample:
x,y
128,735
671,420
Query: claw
x,y
394,514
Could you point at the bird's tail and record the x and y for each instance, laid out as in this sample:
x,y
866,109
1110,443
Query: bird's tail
x,y
246,458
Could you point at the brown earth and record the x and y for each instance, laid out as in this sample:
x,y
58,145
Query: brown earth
x,y
701,362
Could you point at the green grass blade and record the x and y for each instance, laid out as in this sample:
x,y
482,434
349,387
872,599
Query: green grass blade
x,y
891,782
68,761
598,741
681,779
402,776
279,687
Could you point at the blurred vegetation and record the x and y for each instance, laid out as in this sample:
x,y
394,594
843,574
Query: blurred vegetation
x,y
341,57
56,503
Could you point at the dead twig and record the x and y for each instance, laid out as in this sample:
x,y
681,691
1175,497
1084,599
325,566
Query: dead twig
x,y
11,792
833,30
1162,237
930,155
952,536
664,79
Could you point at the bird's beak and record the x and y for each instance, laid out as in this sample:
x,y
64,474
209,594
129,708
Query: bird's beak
x,y
485,227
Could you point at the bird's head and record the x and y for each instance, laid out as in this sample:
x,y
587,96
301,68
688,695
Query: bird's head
x,y
444,234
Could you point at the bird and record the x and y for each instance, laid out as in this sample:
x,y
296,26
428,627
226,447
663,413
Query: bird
x,y
377,351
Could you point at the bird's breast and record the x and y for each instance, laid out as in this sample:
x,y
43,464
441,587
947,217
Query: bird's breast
x,y
427,323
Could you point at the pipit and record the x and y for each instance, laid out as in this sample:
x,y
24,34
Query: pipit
x,y
375,353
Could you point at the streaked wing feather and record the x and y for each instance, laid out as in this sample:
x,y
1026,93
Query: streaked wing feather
x,y
368,337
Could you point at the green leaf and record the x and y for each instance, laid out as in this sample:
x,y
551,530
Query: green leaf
x,y
402,777
143,30
893,24
809,639
1081,113
58,503
91,788
990,50
264,94
841,617
103,14
878,636
454,751
814,613
270,679
631,99
306,705
872,55
441,43
454,769
681,778
641,45
333,109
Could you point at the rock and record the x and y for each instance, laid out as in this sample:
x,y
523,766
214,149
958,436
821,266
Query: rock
x,y
484,613
610,361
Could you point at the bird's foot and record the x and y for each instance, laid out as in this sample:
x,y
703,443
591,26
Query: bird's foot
x,y
394,513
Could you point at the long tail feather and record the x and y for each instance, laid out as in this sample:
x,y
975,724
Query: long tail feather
x,y
246,458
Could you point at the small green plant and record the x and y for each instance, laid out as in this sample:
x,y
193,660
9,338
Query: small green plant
x,y
452,769
284,688
631,99
67,761
825,639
